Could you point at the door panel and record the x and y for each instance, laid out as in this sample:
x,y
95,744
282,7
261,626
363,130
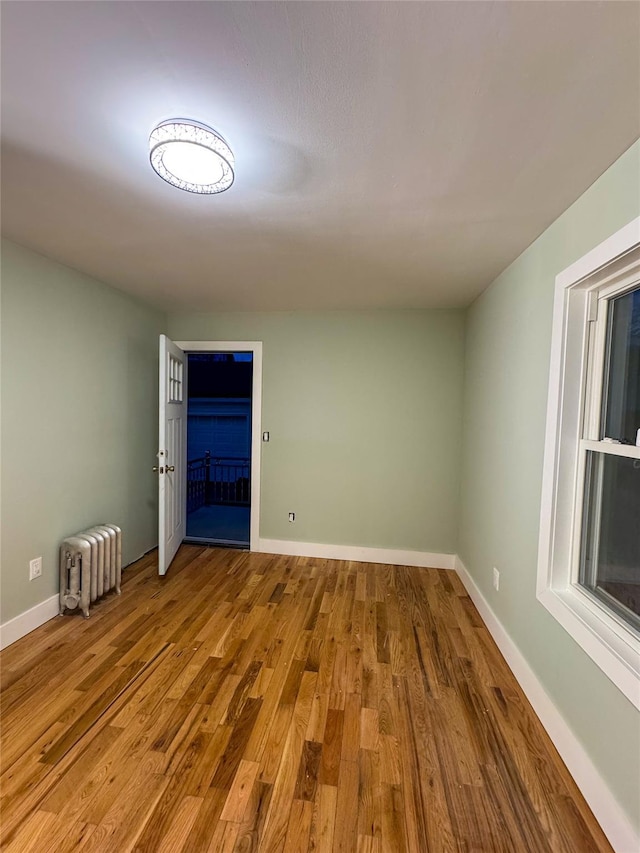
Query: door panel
x,y
171,452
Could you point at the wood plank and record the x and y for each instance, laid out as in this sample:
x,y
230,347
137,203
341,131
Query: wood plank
x,y
332,748
346,828
297,839
240,791
175,839
324,819
308,773
251,830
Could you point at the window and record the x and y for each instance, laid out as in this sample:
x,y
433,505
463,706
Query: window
x,y
589,556
174,380
609,553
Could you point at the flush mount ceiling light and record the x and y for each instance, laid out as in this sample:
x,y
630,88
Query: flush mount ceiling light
x,y
191,156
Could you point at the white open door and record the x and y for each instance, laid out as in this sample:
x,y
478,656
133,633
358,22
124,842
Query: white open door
x,y
172,452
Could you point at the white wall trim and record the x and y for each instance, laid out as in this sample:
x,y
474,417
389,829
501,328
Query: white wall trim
x,y
421,559
254,347
614,246
28,621
605,807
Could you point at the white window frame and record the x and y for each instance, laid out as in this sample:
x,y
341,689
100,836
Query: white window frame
x,y
572,430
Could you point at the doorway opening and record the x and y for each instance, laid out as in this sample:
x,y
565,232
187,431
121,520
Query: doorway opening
x,y
219,444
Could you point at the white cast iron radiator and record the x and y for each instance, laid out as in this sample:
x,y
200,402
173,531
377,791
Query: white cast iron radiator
x,y
90,566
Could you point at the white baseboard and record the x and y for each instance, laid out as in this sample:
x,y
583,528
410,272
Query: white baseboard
x,y
422,559
605,807
28,621
31,619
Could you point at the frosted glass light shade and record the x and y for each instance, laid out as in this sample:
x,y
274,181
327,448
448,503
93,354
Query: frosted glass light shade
x,y
191,156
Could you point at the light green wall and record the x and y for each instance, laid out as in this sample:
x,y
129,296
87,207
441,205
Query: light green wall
x,y
79,418
508,339
364,411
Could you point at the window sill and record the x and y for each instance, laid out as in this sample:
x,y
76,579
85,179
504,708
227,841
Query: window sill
x,y
612,646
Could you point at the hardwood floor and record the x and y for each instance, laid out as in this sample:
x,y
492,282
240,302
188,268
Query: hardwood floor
x,y
248,702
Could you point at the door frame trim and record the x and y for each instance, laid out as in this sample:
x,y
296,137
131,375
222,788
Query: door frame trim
x,y
254,347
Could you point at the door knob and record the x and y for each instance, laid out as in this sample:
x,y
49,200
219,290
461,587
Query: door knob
x,y
171,467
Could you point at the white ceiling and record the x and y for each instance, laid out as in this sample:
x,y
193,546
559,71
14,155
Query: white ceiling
x,y
388,154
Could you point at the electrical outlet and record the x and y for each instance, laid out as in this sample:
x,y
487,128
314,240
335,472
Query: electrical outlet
x,y
35,568
265,436
496,578
292,516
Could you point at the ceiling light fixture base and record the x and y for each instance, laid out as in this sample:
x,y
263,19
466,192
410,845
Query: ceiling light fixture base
x,y
191,156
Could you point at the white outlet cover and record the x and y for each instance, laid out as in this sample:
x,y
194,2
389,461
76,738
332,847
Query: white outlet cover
x,y
35,568
496,578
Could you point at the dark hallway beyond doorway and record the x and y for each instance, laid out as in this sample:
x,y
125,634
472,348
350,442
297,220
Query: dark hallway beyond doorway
x,y
219,447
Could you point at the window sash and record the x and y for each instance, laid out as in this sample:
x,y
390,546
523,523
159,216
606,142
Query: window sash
x,y
598,355
599,301
584,447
